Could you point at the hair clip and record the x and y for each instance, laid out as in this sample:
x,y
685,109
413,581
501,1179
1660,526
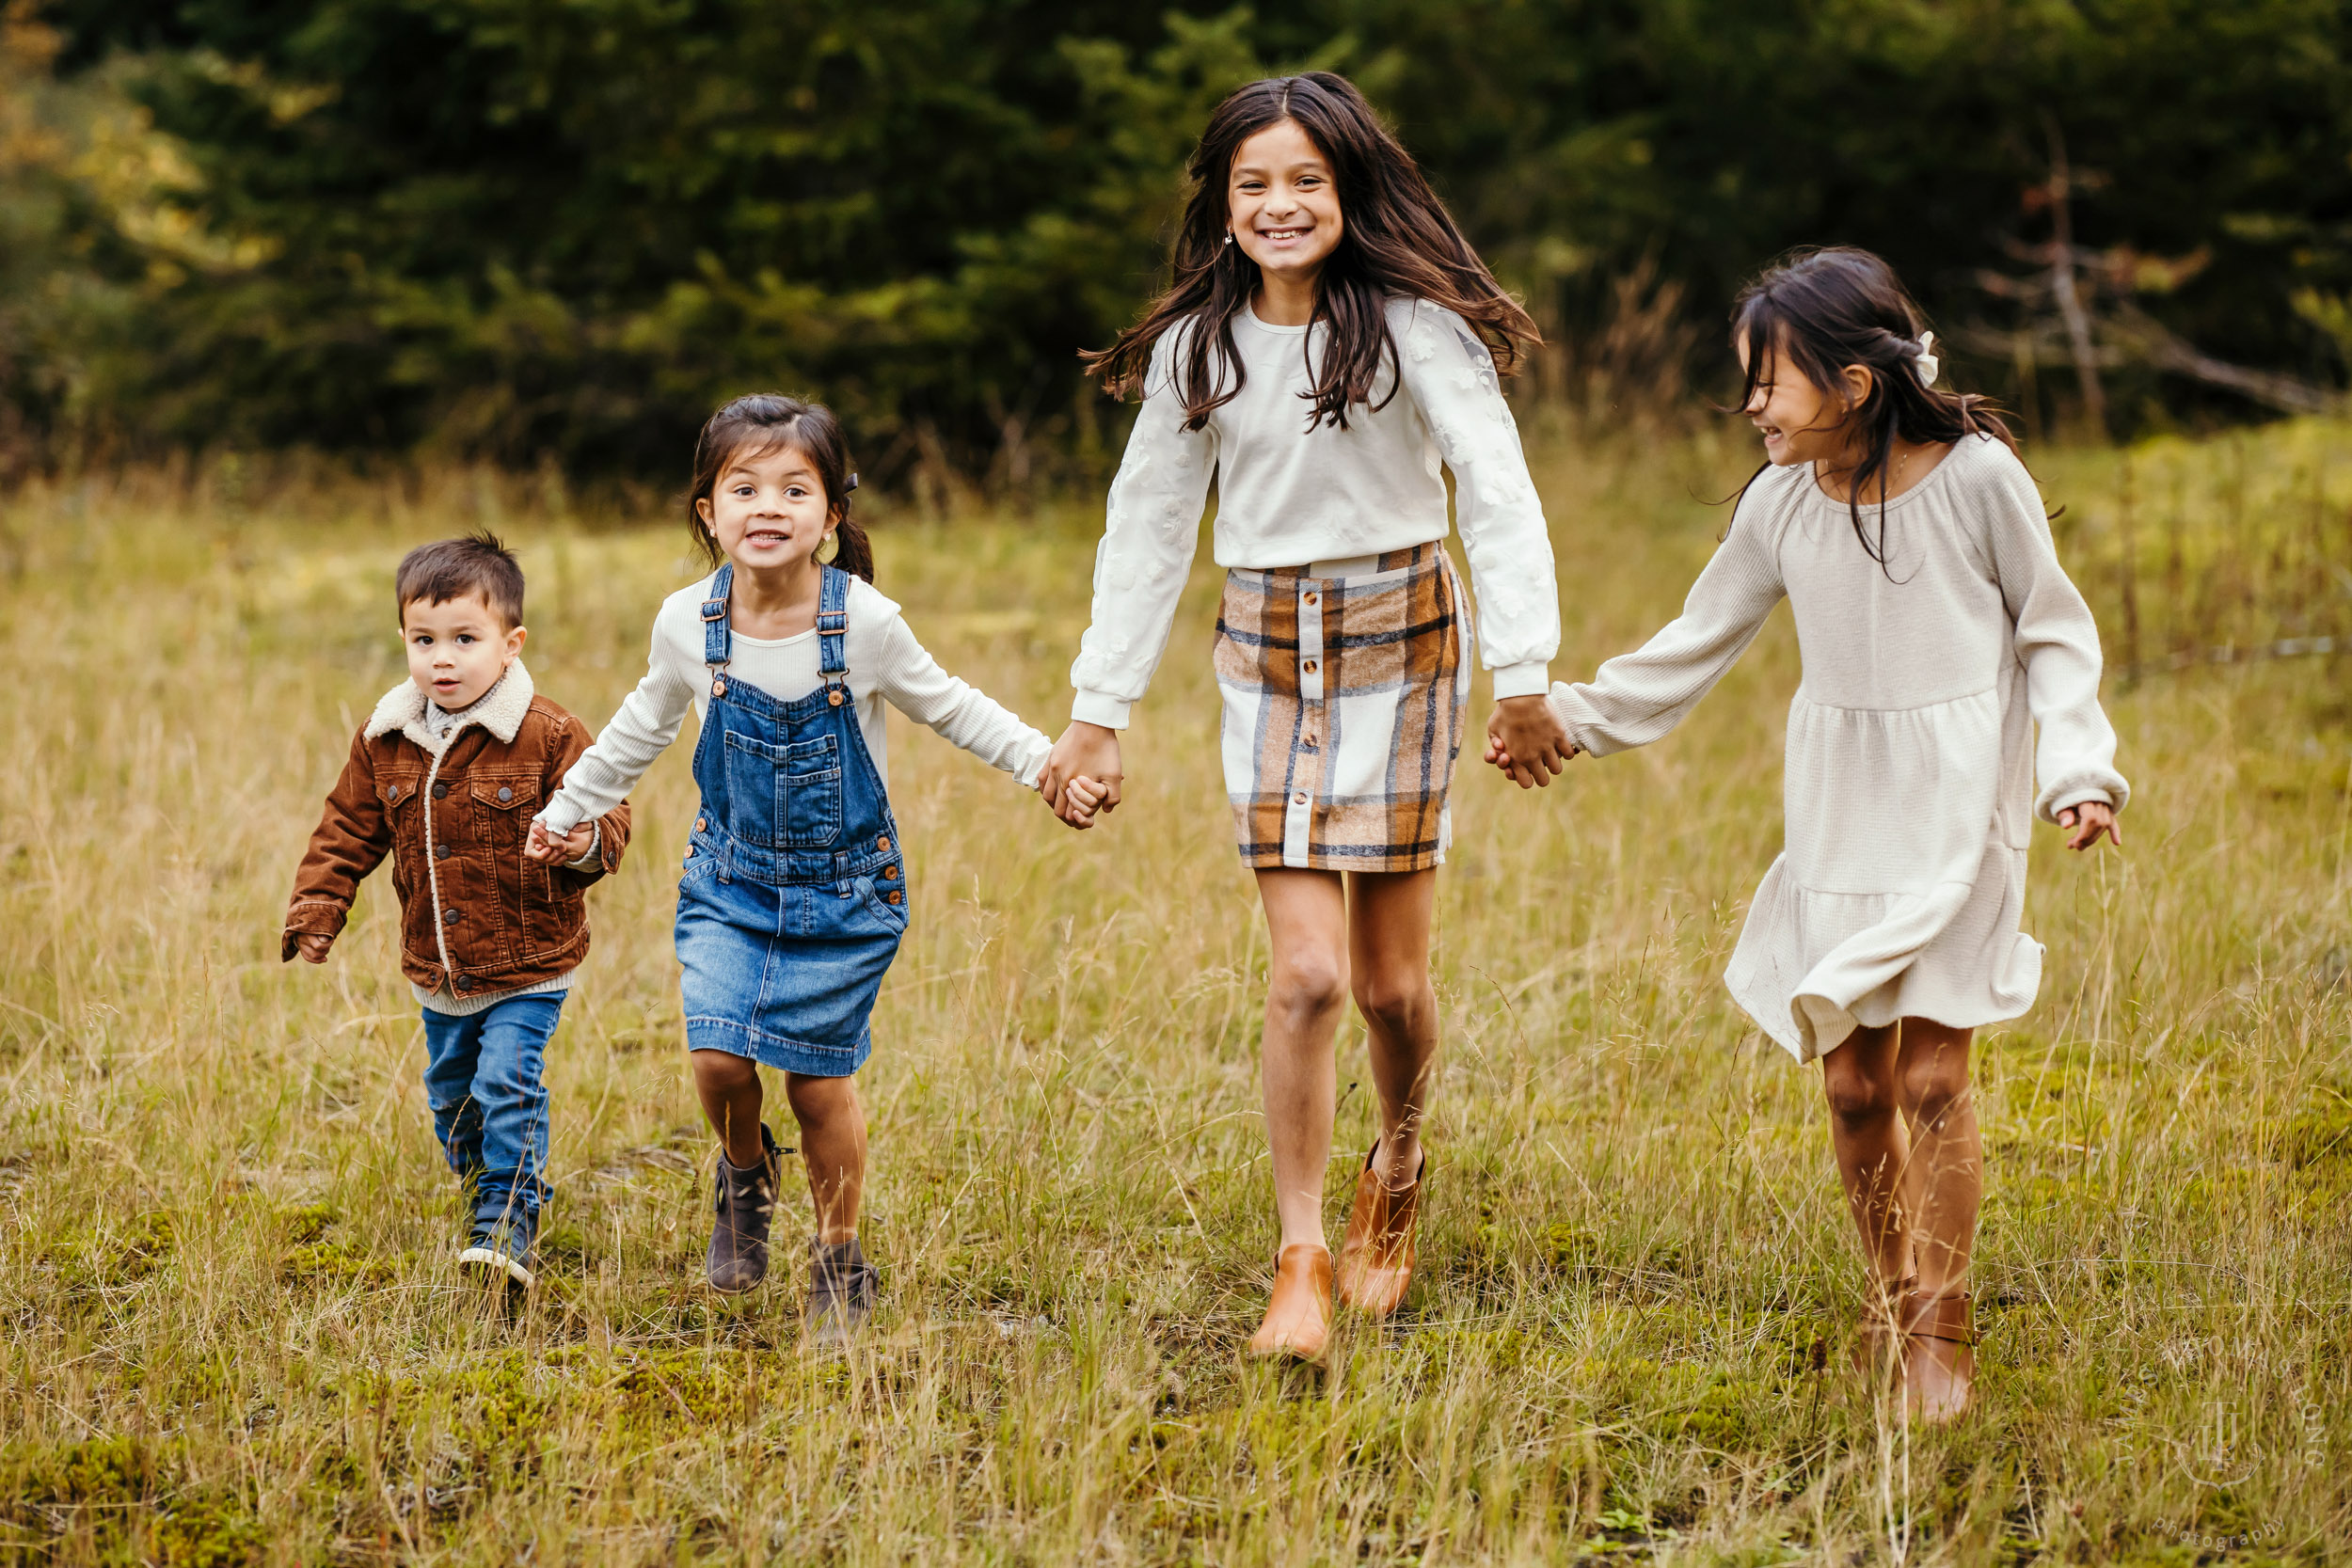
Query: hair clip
x,y
848,484
1929,366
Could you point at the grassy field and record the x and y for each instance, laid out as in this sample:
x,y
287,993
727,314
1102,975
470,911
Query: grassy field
x,y
233,1333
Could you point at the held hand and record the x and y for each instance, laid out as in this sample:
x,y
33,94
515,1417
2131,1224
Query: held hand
x,y
1080,799
1526,739
550,849
2085,823
1087,752
312,946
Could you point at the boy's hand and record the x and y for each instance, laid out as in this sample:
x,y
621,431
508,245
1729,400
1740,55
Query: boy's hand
x,y
1085,750
312,946
1526,739
1080,799
2085,823
551,849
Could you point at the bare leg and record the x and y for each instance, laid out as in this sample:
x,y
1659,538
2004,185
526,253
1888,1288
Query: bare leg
x,y
1387,939
728,1086
1946,1152
833,1147
1874,1148
1305,991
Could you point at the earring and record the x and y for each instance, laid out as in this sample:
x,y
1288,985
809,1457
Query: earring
x,y
1228,236
829,550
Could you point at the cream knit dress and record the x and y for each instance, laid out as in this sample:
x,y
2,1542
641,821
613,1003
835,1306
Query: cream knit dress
x,y
1910,782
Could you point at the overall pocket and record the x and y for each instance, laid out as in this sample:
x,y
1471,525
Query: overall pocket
x,y
784,797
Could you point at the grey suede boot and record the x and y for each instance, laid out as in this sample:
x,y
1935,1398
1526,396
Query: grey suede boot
x,y
739,1240
840,1291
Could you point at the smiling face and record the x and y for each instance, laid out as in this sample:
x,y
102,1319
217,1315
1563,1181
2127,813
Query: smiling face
x,y
767,510
1282,205
1800,422
457,649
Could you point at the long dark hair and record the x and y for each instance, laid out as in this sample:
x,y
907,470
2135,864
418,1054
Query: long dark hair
x,y
759,424
1823,309
1397,239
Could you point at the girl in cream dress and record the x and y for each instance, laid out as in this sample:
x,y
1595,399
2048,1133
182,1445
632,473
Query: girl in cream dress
x,y
1939,633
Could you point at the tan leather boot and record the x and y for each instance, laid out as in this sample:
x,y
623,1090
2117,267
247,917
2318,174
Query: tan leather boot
x,y
1377,1258
1939,1355
1298,1319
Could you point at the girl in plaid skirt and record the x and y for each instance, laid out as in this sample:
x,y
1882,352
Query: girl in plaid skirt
x,y
1331,346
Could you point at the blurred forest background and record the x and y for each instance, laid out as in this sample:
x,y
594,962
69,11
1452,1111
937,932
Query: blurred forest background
x,y
553,234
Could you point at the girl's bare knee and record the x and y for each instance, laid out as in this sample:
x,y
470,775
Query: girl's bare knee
x,y
721,1071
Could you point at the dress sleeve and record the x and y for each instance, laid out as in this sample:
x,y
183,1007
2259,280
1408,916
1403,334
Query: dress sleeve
x,y
1450,377
2057,642
1151,534
1638,697
910,680
641,730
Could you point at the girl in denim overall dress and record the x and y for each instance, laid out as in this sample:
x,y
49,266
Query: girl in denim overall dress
x,y
794,896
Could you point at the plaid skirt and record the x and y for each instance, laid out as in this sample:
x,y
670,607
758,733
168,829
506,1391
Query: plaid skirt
x,y
1343,695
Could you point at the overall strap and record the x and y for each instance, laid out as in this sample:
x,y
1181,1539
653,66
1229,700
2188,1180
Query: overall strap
x,y
832,620
716,641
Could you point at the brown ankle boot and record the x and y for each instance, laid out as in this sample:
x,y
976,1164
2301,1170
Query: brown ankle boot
x,y
1298,1319
1939,1355
1377,1258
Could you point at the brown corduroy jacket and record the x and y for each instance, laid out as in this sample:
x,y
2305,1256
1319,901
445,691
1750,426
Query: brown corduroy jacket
x,y
454,815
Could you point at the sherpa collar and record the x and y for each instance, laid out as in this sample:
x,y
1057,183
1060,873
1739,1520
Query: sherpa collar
x,y
499,710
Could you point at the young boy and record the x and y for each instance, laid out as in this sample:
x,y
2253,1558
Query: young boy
x,y
444,776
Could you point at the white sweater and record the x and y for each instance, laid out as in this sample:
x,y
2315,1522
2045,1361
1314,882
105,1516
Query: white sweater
x,y
886,665
1910,779
1290,496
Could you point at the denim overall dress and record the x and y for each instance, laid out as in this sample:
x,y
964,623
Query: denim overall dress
x,y
794,896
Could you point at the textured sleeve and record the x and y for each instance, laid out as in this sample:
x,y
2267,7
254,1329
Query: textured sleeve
x,y
1638,697
1148,538
608,832
641,730
1450,377
351,840
910,680
2057,642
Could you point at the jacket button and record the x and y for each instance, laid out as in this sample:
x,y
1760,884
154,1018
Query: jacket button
x,y
449,917
462,983
883,844
440,790
440,851
505,795
890,873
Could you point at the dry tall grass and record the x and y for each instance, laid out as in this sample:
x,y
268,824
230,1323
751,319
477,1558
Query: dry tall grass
x,y
234,1333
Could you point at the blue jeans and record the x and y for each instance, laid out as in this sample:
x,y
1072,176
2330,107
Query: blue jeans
x,y
481,1077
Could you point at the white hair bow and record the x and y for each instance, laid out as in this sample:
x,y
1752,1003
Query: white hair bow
x,y
1929,366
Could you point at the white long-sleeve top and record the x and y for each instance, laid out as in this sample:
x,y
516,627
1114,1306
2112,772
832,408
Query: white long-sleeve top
x,y
1909,788
887,665
1292,495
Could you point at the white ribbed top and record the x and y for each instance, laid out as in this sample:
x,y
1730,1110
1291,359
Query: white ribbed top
x,y
887,665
